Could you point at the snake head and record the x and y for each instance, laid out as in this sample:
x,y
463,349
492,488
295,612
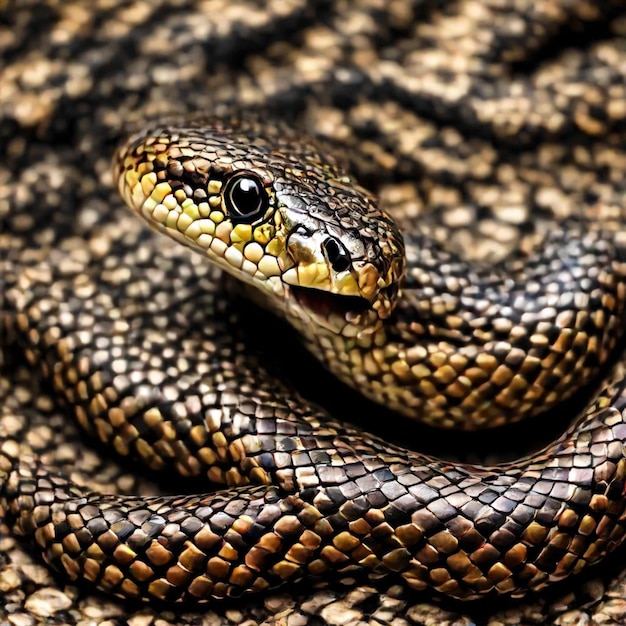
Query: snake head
x,y
271,210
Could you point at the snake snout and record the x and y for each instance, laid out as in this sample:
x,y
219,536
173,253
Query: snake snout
x,y
323,262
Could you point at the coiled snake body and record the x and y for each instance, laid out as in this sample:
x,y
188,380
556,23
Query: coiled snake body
x,y
460,345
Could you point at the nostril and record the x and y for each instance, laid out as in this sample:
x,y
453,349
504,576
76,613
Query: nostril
x,y
336,254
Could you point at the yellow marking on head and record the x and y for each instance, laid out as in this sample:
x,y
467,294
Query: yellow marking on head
x,y
217,216
193,231
311,275
190,208
234,257
368,281
171,220
242,233
171,203
249,267
148,182
181,196
223,231
275,247
253,251
206,226
218,247
160,191
184,222
214,186
263,234
144,168
139,199
268,266
318,275
204,241
347,285
160,214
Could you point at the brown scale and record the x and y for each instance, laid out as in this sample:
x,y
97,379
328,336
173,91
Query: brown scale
x,y
113,350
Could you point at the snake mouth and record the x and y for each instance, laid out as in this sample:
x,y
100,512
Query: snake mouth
x,y
324,304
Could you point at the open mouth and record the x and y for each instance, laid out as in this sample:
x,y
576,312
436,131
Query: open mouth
x,y
323,303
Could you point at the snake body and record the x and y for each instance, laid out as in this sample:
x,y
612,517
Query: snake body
x,y
165,377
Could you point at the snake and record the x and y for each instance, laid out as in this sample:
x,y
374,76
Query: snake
x,y
383,305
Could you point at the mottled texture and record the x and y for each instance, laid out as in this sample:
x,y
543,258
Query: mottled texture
x,y
508,116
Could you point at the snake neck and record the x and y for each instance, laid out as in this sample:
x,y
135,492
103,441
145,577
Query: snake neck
x,y
470,347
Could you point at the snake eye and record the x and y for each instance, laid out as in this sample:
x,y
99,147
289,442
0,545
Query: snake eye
x,y
336,254
245,197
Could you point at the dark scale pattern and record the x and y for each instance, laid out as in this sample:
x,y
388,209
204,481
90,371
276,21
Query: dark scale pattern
x,y
381,508
484,126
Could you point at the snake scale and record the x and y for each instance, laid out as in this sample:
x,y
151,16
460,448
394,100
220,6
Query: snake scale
x,y
137,338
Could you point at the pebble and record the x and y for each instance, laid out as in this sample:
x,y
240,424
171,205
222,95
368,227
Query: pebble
x,y
142,618
48,601
20,619
572,618
38,574
428,615
296,619
278,602
338,614
9,580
